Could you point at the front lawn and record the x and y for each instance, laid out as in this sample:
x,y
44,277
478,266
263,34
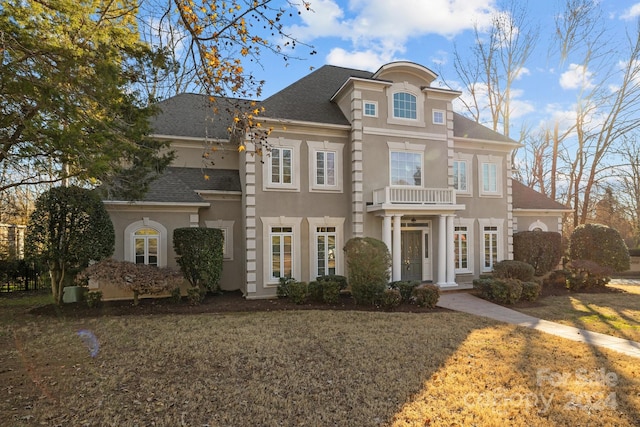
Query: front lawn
x,y
612,313
311,367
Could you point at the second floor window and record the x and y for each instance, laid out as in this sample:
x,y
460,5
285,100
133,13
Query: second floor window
x,y
460,175
406,168
326,168
489,178
281,165
404,106
370,109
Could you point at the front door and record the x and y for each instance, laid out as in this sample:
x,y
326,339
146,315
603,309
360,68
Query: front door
x,y
411,254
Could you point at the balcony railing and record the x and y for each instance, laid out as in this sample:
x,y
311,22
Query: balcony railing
x,y
414,196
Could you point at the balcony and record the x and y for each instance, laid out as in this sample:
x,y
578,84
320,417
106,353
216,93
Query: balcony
x,y
414,196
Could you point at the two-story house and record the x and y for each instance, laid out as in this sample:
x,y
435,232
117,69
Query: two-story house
x,y
352,154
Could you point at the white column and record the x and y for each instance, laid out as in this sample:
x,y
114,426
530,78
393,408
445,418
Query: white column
x,y
386,231
397,250
451,266
442,249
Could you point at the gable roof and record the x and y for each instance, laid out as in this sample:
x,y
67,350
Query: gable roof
x,y
309,99
527,198
180,185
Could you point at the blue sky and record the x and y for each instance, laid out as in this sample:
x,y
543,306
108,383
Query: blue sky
x,y
365,34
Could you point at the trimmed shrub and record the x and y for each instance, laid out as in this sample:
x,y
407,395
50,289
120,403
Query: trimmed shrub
x,y
195,295
331,292
530,291
509,269
405,287
176,295
500,290
341,280
199,254
94,299
540,249
585,274
426,295
600,244
390,299
314,291
283,287
299,292
634,252
368,263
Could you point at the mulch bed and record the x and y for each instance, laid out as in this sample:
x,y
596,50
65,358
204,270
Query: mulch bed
x,y
227,302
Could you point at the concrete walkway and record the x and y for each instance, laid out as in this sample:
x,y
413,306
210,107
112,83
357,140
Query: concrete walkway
x,y
468,303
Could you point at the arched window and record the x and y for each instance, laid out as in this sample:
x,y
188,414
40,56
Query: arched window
x,y
538,226
404,106
146,244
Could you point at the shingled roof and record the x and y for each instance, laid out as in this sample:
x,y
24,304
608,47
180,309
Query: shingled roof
x,y
527,198
467,128
197,116
309,99
180,185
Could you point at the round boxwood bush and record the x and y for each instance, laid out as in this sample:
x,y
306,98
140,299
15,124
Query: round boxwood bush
x,y
509,269
540,249
600,244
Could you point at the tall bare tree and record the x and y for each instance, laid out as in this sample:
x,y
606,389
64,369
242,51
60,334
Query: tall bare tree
x,y
498,58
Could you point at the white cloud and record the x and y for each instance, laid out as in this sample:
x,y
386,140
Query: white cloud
x,y
363,60
632,13
576,77
523,71
382,27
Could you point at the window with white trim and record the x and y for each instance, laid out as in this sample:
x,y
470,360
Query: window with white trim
x,y
404,106
438,117
146,246
325,243
405,168
460,175
325,166
325,250
491,245
463,245
281,255
370,109
281,248
490,175
145,242
282,167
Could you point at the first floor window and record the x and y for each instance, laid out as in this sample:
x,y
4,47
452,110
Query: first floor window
x,y
146,246
490,239
326,250
460,175
406,168
461,247
281,252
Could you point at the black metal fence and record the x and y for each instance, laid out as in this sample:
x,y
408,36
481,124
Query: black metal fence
x,y
19,275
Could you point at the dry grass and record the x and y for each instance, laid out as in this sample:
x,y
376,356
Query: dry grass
x,y
616,314
312,368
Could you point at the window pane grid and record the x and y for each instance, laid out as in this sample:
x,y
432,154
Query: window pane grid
x,y
404,105
326,250
406,168
326,168
461,241
281,165
281,252
460,175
